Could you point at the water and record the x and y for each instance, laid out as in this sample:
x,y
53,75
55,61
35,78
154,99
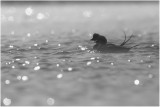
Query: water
x,y
47,58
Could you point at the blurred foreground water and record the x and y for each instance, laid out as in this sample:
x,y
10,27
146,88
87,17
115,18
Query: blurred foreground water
x,y
46,56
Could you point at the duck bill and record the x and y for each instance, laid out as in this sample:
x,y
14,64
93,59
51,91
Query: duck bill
x,y
92,39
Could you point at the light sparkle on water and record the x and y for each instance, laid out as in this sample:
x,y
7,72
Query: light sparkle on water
x,y
90,34
7,101
27,62
149,56
57,65
7,81
13,67
141,61
11,46
93,58
23,64
18,59
12,32
50,101
149,66
70,68
82,48
129,60
59,76
112,63
35,44
24,78
19,77
40,16
152,45
139,35
29,11
37,68
136,82
89,63
46,41
28,34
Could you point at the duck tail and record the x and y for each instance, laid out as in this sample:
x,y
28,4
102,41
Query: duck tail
x,y
125,41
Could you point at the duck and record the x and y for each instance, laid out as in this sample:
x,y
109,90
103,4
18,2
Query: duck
x,y
102,45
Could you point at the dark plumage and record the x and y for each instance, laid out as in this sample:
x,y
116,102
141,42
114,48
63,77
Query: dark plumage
x,y
99,39
102,46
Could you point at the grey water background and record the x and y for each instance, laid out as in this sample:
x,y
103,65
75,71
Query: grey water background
x,y
47,58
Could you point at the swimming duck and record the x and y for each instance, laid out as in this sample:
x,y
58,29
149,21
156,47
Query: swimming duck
x,y
102,45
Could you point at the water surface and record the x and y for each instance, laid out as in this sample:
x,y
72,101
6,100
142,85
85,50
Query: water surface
x,y
47,58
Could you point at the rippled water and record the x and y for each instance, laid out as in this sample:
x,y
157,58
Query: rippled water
x,y
50,61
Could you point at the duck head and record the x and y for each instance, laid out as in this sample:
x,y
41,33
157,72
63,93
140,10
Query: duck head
x,y
99,39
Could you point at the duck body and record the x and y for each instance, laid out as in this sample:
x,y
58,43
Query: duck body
x,y
110,48
102,46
